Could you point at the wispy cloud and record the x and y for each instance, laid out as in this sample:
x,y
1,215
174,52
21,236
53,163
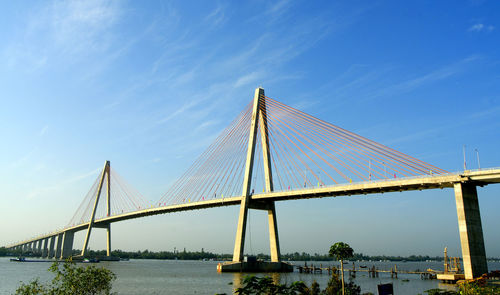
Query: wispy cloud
x,y
63,32
479,27
43,131
24,159
83,24
207,124
216,17
249,78
179,111
277,9
494,111
61,184
431,77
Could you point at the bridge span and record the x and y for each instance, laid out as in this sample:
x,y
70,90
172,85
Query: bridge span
x,y
378,170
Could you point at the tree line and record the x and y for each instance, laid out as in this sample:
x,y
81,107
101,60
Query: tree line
x,y
197,255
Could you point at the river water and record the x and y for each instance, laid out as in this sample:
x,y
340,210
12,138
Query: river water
x,y
201,277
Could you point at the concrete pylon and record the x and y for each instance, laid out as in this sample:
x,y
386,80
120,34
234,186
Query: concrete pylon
x,y
259,118
45,247
105,171
59,246
67,244
52,241
471,230
108,213
39,247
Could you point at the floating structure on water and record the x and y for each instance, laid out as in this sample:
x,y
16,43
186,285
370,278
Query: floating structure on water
x,y
373,272
452,269
251,264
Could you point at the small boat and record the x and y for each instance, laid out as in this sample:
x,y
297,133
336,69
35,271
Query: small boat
x,y
19,259
363,266
92,260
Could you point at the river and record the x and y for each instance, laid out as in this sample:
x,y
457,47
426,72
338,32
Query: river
x,y
201,277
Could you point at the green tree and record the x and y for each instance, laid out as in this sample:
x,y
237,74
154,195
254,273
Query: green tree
x,y
265,285
314,290
341,251
71,279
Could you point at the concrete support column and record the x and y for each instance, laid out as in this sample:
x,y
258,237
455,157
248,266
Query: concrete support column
x,y
45,247
51,247
108,244
273,234
239,243
39,247
471,231
67,245
59,246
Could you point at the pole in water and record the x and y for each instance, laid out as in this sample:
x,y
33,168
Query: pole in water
x,y
478,163
465,163
369,170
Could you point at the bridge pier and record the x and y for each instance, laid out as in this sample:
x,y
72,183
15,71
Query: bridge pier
x,y
471,231
45,249
58,246
108,240
39,247
52,242
273,234
67,244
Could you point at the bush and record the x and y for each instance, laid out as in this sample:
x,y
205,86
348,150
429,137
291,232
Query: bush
x,y
265,285
467,288
72,280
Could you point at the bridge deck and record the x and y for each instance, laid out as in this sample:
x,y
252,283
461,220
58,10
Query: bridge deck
x,y
480,177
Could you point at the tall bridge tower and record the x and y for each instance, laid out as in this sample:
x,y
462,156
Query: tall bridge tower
x,y
258,122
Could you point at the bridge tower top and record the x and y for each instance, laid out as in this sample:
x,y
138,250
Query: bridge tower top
x,y
259,121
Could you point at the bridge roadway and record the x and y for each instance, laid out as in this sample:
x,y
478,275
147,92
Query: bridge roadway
x,y
475,177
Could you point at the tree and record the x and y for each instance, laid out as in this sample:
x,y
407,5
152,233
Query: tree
x,y
314,290
341,251
72,280
255,285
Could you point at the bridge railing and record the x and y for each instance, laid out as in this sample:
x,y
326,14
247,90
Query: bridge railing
x,y
390,179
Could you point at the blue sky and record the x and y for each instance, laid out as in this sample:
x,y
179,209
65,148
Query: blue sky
x,y
148,86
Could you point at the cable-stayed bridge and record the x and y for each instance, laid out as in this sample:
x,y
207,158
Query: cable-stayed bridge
x,y
273,152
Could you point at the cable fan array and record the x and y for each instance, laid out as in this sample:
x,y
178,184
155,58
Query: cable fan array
x,y
123,199
309,152
218,172
305,152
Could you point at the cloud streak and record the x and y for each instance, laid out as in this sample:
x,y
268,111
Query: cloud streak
x,y
429,78
479,27
40,191
43,131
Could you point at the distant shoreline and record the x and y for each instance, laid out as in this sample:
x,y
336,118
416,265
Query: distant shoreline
x,y
200,255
